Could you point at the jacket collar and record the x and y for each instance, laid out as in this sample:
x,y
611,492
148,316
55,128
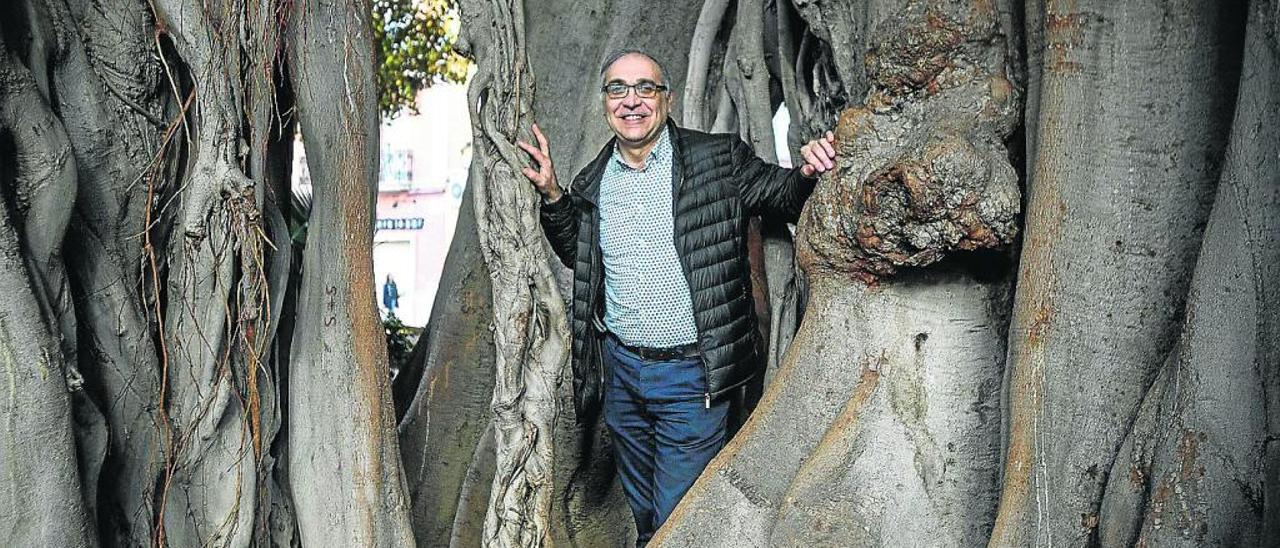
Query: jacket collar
x,y
594,171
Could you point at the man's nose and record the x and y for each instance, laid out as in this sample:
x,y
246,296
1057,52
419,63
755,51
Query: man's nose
x,y
631,99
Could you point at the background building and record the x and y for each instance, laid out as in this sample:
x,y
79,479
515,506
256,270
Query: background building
x,y
424,161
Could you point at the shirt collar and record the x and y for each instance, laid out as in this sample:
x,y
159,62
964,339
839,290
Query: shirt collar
x,y
660,153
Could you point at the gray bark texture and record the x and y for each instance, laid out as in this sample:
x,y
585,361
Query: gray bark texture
x,y
104,259
749,82
912,457
344,460
1200,466
450,412
882,426
145,153
530,329
211,396
1110,243
44,501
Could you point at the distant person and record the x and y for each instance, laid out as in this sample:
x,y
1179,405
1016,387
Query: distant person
x,y
390,295
655,230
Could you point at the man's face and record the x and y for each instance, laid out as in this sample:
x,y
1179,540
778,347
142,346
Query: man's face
x,y
635,120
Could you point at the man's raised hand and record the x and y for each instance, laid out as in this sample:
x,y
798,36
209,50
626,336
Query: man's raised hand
x,y
819,155
543,178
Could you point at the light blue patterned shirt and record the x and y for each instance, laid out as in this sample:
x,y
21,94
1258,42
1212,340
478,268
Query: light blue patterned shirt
x,y
647,299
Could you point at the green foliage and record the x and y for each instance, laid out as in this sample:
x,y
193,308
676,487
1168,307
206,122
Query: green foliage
x,y
416,46
299,215
400,341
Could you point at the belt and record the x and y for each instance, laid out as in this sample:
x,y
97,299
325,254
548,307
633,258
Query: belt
x,y
660,354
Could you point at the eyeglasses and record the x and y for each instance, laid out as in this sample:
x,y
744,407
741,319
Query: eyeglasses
x,y
644,90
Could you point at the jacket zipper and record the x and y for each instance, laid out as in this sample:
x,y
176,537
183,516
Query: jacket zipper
x,y
677,183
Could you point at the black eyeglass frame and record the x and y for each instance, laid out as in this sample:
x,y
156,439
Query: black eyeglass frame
x,y
627,89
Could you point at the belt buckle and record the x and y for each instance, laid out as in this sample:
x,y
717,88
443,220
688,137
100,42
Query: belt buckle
x,y
654,354
661,354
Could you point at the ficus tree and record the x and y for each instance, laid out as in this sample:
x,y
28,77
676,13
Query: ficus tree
x,y
1034,304
166,384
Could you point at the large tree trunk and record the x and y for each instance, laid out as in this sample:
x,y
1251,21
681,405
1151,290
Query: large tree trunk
x,y
45,503
345,469
450,412
149,322
531,333
750,83
912,458
1110,243
102,254
1200,467
163,123
923,172
43,493
210,396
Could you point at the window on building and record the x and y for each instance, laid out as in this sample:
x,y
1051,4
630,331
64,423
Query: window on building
x,y
397,169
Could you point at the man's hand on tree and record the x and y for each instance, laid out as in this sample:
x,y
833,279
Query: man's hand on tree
x,y
543,178
819,155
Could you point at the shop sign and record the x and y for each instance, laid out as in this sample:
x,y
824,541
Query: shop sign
x,y
411,223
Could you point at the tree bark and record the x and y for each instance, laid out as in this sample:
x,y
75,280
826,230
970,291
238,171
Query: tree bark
x,y
1126,226
749,82
912,457
107,107
42,488
44,498
531,333
1200,467
345,469
473,501
710,18
156,330
171,154
440,433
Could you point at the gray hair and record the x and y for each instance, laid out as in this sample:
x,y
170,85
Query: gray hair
x,y
618,54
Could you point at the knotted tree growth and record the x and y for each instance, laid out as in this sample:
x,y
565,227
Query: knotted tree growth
x,y
897,338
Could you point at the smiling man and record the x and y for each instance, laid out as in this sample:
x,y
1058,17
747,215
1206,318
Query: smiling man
x,y
655,230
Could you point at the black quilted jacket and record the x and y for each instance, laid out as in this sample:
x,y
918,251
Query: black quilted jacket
x,y
719,185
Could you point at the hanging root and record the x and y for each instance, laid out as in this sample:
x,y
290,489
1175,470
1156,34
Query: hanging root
x,y
529,329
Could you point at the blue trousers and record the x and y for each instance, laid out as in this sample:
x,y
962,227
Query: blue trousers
x,y
663,432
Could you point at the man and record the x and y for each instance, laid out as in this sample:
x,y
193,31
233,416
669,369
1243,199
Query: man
x,y
655,231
